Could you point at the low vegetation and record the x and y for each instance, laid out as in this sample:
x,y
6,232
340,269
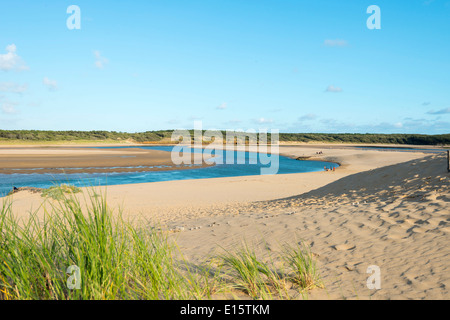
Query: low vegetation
x,y
84,136
302,265
58,192
411,139
164,136
40,258
259,279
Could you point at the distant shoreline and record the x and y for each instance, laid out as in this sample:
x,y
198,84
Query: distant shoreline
x,y
48,137
101,143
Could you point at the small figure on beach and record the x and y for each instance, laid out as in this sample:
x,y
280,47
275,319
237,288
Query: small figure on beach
x,y
14,190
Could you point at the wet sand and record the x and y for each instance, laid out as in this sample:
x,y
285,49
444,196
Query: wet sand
x,y
84,160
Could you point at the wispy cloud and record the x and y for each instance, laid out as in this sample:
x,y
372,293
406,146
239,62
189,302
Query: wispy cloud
x,y
442,111
276,110
34,104
11,60
333,89
223,106
12,87
406,125
173,121
100,61
426,103
233,121
335,43
8,107
50,84
306,117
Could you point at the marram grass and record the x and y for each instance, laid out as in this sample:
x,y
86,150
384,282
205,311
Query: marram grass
x,y
249,273
302,264
262,280
117,260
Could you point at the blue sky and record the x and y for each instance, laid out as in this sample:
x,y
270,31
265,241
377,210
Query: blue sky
x,y
296,66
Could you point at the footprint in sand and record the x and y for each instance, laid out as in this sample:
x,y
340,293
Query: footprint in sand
x,y
394,236
444,226
343,247
351,265
416,229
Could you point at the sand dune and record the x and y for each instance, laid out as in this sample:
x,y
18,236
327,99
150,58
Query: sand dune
x,y
396,217
389,209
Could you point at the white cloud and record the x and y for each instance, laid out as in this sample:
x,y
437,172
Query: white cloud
x,y
10,60
50,84
333,89
263,121
335,43
13,87
100,61
223,106
405,125
11,48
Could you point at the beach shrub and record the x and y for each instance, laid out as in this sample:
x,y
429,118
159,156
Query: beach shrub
x,y
58,192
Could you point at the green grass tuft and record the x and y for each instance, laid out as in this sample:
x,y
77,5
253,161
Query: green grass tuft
x,y
58,192
257,278
303,266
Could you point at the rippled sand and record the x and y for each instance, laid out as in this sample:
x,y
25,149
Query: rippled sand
x,y
389,209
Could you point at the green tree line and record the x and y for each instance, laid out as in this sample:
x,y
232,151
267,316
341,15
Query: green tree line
x,y
165,135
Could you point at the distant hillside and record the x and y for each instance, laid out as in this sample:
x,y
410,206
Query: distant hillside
x,y
34,135
417,139
163,136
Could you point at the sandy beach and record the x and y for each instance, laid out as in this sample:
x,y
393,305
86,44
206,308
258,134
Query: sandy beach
x,y
384,208
69,160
